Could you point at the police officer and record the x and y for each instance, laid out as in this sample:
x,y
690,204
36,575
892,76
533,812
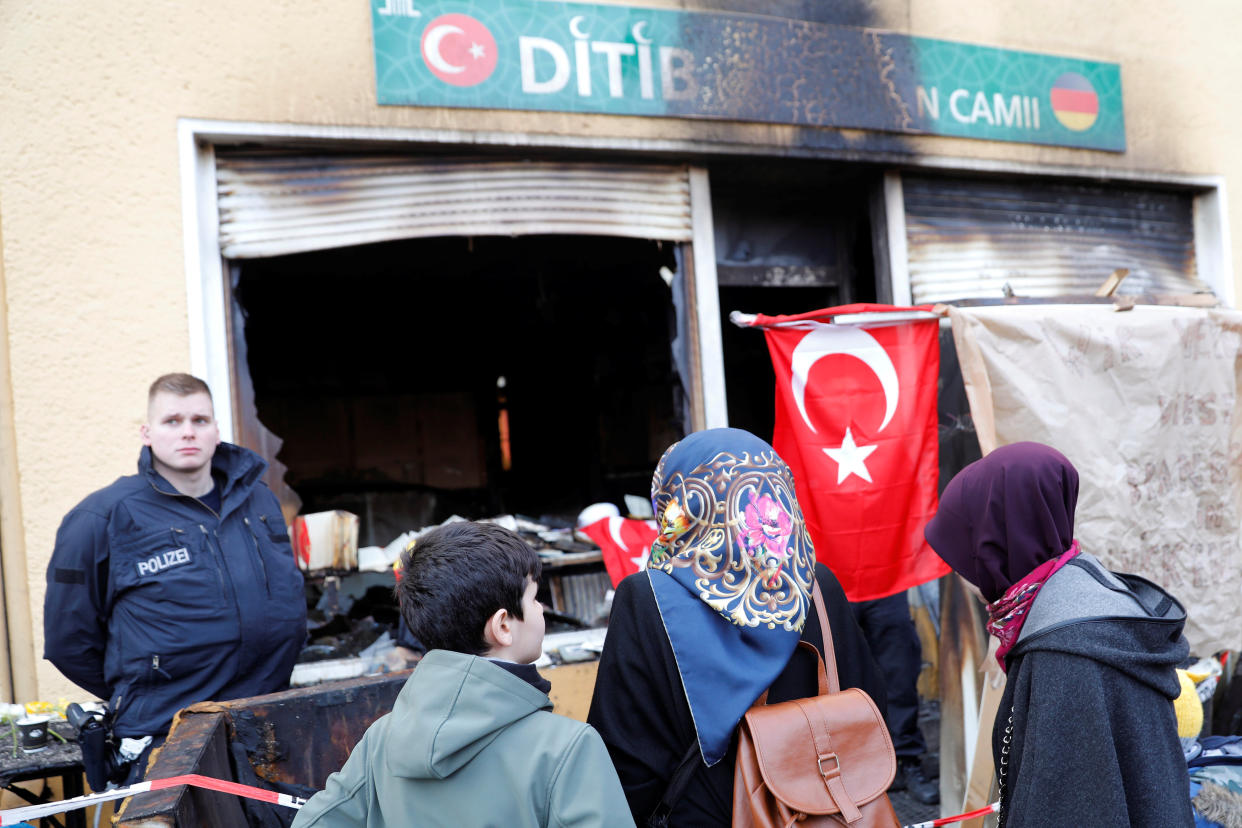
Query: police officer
x,y
178,584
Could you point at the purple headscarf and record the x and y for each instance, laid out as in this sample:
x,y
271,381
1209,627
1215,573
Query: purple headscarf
x,y
1004,515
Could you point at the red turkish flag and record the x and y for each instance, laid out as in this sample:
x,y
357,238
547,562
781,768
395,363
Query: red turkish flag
x,y
625,542
856,422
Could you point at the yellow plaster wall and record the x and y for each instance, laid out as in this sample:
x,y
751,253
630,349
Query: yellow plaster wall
x,y
91,239
572,687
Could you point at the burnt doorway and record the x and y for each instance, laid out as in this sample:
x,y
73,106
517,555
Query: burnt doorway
x,y
791,237
414,380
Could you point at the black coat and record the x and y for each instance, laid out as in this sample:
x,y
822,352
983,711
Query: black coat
x,y
640,708
155,601
1093,737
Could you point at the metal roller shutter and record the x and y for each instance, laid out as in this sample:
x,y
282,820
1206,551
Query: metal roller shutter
x,y
968,238
273,203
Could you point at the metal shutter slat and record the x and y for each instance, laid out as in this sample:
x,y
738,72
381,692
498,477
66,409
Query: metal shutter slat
x,y
968,238
273,203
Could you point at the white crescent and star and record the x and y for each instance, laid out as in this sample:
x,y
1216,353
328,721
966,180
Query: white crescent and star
x,y
431,47
614,529
826,340
850,458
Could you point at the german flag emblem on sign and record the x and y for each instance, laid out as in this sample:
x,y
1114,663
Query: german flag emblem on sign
x,y
1074,102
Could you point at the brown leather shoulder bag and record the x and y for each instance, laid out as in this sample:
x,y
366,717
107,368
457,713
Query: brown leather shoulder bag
x,y
820,761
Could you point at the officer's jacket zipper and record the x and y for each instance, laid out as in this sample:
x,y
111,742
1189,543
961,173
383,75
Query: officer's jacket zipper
x,y
179,494
258,554
224,591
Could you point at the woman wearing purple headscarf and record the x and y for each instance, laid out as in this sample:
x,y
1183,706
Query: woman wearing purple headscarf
x,y
1086,733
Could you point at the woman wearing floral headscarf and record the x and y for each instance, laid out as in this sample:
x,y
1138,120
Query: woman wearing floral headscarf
x,y
1086,733
713,622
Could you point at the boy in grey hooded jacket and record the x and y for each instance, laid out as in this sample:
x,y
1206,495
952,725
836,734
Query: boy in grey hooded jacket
x,y
471,740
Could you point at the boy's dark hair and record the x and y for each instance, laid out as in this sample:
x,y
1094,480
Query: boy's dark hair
x,y
455,577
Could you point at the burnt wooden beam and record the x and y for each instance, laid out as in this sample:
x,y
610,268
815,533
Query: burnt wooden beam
x,y
295,737
201,746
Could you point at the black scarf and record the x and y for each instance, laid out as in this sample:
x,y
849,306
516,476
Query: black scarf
x,y
526,672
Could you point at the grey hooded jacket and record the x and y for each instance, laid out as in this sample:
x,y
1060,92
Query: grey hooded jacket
x,y
470,744
1086,733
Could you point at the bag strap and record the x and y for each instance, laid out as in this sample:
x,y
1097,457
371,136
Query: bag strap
x,y
676,784
826,665
825,629
829,763
821,731
828,683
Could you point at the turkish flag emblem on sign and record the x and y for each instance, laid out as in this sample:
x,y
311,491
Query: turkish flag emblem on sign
x,y
624,542
856,421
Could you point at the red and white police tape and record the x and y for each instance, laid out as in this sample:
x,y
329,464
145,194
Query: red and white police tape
x,y
12,816
934,823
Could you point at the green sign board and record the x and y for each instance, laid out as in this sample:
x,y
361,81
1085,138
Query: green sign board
x,y
575,57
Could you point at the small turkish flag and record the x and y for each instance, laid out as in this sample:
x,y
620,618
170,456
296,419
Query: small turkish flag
x,y
625,542
856,422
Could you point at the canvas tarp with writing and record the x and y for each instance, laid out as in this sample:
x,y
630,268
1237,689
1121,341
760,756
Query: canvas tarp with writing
x,y
1145,404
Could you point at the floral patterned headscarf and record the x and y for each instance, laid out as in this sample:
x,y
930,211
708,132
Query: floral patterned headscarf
x,y
732,571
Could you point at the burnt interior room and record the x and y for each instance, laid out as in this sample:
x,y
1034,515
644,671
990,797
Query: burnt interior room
x,y
381,366
791,237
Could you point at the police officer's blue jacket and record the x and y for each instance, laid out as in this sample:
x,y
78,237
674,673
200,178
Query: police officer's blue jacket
x,y
155,601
